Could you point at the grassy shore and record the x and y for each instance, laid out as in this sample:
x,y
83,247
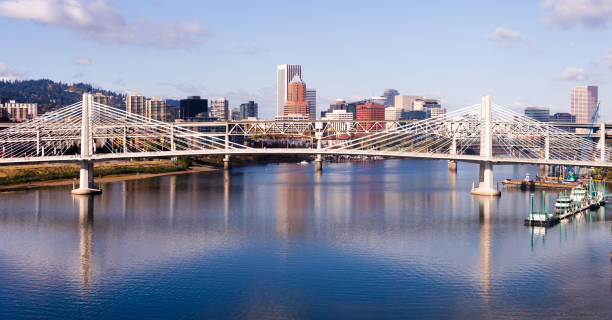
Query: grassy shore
x,y
47,172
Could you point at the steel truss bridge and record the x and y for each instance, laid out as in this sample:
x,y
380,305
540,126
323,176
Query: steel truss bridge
x,y
484,133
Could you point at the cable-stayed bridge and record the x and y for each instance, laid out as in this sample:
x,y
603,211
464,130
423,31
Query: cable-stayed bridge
x,y
484,133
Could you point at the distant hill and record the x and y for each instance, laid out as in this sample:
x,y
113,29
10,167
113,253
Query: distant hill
x,y
50,94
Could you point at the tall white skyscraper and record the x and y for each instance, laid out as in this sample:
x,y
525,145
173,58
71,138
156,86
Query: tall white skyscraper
x,y
583,103
311,97
284,74
219,108
135,103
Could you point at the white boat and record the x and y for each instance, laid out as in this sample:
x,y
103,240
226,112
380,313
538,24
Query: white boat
x,y
578,194
303,162
563,204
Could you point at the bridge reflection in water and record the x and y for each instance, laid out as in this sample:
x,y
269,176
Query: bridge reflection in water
x,y
390,226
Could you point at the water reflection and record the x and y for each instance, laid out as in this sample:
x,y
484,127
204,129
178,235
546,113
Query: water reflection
x,y
86,230
361,240
485,207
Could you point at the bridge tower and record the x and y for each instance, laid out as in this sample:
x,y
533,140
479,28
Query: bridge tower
x,y
86,183
485,184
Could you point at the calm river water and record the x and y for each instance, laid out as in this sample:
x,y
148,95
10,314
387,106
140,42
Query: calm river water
x,y
387,239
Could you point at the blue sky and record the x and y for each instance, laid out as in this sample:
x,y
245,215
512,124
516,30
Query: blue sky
x,y
520,52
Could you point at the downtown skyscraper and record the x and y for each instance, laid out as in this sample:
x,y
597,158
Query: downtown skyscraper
x,y
284,74
583,103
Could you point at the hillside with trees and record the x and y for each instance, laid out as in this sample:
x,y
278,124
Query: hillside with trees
x,y
50,94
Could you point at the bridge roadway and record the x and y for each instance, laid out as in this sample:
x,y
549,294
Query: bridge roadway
x,y
497,160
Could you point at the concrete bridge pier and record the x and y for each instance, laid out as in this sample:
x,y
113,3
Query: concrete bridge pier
x,y
319,163
485,184
86,181
452,165
226,162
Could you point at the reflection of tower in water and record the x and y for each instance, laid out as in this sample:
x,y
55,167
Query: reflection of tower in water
x,y
292,199
485,205
171,199
226,197
86,216
452,181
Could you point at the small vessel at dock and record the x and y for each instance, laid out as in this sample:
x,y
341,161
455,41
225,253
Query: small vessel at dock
x,y
542,218
563,203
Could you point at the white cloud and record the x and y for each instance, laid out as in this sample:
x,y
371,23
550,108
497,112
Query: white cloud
x,y
507,38
588,13
83,61
99,20
574,74
9,74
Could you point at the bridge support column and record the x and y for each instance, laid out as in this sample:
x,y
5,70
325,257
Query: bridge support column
x,y
226,162
452,164
602,142
86,183
319,158
485,184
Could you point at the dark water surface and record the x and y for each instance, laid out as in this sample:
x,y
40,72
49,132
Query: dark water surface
x,y
389,239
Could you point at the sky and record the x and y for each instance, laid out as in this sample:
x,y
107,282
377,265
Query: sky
x,y
522,52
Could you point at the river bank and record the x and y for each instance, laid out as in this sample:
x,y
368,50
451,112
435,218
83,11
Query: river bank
x,y
24,177
40,175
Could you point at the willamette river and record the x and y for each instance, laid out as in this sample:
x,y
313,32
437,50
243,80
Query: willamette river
x,y
387,239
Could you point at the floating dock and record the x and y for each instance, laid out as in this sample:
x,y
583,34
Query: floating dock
x,y
537,184
545,219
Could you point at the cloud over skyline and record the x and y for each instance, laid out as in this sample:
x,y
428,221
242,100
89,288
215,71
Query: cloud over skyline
x,y
100,21
574,74
587,13
507,38
82,61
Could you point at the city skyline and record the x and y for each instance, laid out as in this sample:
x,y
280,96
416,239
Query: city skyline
x,y
517,52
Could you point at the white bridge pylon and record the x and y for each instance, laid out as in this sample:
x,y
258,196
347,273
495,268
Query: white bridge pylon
x,y
483,133
88,131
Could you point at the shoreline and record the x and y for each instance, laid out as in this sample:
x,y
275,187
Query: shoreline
x,y
105,179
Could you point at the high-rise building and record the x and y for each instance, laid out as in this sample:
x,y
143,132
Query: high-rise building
x,y
136,104
583,103
405,102
219,109
157,110
15,111
431,107
311,97
541,114
284,74
296,104
193,107
101,99
235,114
389,95
393,113
338,115
370,111
378,100
248,110
564,117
